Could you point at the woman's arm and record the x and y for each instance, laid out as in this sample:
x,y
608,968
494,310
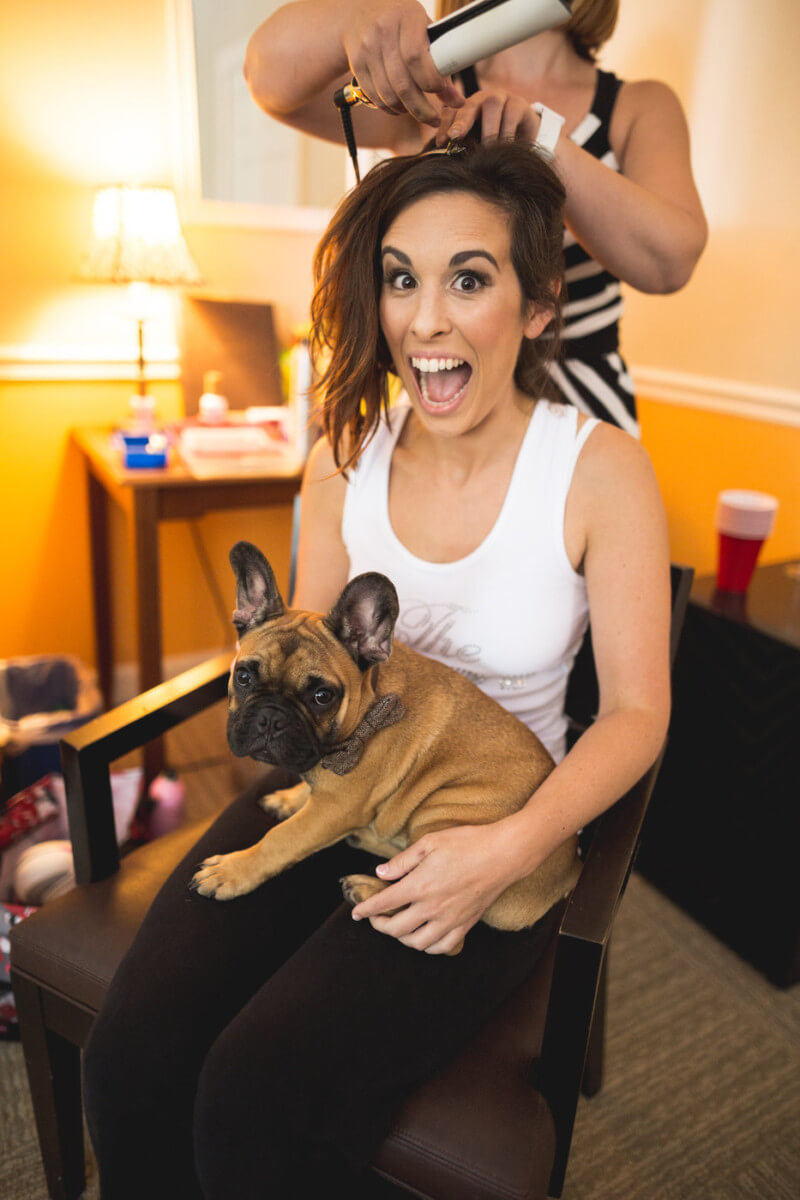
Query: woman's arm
x,y
322,562
615,508
615,523
297,59
644,223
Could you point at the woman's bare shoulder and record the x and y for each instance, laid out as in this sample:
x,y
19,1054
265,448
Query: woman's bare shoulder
x,y
645,104
321,465
611,453
638,97
615,484
614,511
324,485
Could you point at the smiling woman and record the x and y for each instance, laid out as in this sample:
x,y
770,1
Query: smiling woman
x,y
503,521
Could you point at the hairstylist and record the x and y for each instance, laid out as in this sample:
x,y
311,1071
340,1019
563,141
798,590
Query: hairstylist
x,y
632,215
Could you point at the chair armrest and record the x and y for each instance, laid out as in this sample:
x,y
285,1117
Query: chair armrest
x,y
87,752
581,946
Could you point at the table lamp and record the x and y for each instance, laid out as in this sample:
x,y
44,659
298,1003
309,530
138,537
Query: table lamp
x,y
137,239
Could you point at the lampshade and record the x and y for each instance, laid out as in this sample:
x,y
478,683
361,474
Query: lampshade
x,y
136,238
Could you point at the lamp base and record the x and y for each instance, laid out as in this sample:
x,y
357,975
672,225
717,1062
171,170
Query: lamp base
x,y
142,413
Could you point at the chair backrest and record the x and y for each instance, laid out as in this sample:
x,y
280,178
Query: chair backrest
x,y
610,846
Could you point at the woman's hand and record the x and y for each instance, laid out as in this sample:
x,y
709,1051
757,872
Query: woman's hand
x,y
503,116
445,883
386,43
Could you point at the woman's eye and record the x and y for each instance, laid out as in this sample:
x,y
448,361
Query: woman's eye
x,y
400,281
323,697
242,676
468,281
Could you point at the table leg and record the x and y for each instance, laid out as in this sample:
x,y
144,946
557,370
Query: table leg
x,y
148,609
101,585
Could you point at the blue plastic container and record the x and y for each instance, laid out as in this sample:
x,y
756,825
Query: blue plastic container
x,y
143,451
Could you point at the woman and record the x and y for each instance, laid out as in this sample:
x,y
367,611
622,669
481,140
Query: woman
x,y
273,1037
632,213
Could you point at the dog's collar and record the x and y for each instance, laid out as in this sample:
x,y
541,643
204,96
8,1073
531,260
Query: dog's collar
x,y
386,711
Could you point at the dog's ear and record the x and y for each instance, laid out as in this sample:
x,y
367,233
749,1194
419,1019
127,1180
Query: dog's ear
x,y
363,618
257,596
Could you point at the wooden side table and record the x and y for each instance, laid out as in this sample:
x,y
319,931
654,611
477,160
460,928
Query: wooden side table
x,y
722,835
149,497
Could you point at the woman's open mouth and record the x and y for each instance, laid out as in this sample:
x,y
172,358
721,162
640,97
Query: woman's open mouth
x,y
441,382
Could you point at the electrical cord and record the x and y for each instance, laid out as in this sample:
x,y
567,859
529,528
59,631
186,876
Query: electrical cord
x,y
343,103
211,580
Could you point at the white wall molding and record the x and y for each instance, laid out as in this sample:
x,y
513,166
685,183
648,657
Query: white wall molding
x,y
755,401
31,363
34,362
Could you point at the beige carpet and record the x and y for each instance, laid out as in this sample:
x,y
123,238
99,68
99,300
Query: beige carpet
x,y
702,1093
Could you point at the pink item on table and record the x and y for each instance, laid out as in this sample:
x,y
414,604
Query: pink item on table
x,y
169,795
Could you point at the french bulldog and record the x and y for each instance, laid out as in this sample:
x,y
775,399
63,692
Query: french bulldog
x,y
389,745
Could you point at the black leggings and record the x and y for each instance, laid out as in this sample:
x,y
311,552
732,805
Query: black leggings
x,y
254,1047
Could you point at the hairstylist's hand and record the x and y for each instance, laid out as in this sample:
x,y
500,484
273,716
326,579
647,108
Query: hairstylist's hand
x,y
445,882
503,116
389,54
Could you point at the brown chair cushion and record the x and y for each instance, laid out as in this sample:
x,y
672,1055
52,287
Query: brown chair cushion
x,y
75,944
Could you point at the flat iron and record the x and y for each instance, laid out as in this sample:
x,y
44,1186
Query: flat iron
x,y
466,36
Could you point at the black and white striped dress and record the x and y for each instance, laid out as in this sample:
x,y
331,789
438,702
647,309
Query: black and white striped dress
x,y
590,372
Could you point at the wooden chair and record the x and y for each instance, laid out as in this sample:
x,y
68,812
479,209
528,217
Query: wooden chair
x,y
496,1123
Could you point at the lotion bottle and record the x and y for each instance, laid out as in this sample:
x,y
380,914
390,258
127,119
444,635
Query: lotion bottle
x,y
213,408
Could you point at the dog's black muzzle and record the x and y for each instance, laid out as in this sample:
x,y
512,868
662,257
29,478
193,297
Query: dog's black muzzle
x,y
273,730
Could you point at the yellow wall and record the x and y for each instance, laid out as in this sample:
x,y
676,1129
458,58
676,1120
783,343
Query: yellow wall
x,y
83,100
697,454
733,63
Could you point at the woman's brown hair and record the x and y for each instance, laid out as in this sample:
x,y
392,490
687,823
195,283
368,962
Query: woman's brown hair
x,y
591,24
345,322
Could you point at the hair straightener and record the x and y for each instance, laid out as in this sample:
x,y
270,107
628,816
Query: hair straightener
x,y
476,31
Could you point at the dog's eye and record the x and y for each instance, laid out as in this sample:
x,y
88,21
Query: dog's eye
x,y
242,676
324,696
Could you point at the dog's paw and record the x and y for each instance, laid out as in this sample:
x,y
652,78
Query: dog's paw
x,y
276,805
285,802
356,888
225,876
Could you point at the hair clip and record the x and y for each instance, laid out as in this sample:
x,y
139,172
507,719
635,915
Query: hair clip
x,y
453,147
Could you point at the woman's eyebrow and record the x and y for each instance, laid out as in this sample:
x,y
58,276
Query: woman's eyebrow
x,y
456,261
464,255
398,254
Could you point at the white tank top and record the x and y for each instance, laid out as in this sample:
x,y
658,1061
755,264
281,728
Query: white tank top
x,y
512,614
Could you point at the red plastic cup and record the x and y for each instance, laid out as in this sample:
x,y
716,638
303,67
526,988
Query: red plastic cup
x,y
744,521
737,562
